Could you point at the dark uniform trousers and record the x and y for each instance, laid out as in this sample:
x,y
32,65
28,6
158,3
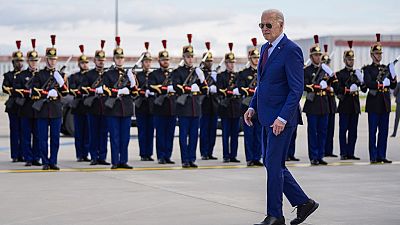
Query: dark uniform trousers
x,y
292,145
208,134
188,113
164,114
98,133
118,117
252,140
378,107
331,124
14,119
348,124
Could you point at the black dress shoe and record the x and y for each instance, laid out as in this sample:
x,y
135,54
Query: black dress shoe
x,y
103,162
185,165
14,160
234,160
210,157
258,163
331,155
193,165
314,162
270,220
46,167
250,163
150,159
114,167
86,159
168,161
353,158
20,159
162,161
322,162
303,211
292,158
393,135
375,162
54,167
386,161
79,159
226,160
93,162
343,157
125,166
205,158
28,164
36,163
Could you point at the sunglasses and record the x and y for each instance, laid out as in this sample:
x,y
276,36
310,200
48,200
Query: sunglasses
x,y
267,25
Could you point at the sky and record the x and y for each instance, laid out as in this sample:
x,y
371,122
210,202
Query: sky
x,y
88,21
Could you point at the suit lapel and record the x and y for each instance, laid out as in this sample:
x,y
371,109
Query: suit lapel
x,y
276,51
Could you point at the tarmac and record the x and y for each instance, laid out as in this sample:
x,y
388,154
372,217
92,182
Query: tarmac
x,y
349,192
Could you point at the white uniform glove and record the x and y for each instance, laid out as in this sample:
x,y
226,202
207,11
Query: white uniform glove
x,y
148,93
214,76
359,75
200,74
99,90
327,69
236,91
59,78
213,89
170,89
386,82
353,88
392,71
195,88
131,78
52,94
331,89
123,91
323,84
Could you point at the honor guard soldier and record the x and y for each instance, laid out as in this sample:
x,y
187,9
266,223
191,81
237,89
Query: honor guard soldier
x,y
160,82
230,107
316,106
79,110
118,85
48,87
209,109
143,112
11,106
247,83
379,79
23,85
350,82
330,92
190,85
94,101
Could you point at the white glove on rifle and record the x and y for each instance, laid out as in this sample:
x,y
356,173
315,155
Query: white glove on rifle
x,y
195,88
131,78
99,90
359,75
386,82
148,93
214,76
213,89
327,69
59,78
200,74
52,94
170,89
236,91
331,89
123,91
323,84
392,71
353,88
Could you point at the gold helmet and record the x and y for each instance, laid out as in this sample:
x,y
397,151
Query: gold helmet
x,y
315,49
325,56
118,51
100,54
187,50
349,54
377,46
209,57
146,54
33,54
253,52
230,57
162,55
83,58
18,55
51,53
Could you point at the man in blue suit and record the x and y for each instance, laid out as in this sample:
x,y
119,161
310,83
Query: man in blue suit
x,y
279,89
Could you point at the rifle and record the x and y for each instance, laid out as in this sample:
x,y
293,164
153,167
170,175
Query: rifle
x,y
246,101
159,100
90,99
49,84
121,82
28,84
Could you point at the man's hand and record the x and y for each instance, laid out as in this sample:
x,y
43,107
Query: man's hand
x,y
248,115
277,127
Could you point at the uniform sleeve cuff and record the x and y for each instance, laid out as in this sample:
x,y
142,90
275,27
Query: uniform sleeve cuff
x,y
282,120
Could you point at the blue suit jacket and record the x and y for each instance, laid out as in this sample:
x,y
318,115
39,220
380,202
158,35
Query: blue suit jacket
x,y
280,85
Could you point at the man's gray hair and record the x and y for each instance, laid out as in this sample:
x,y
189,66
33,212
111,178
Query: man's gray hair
x,y
278,14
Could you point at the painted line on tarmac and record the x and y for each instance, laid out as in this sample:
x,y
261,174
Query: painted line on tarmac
x,y
102,169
